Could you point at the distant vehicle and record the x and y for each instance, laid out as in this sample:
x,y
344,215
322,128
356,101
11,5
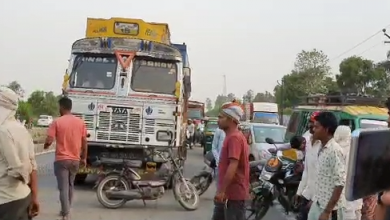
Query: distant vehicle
x,y
256,133
44,120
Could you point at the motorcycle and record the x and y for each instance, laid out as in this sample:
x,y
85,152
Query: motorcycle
x,y
278,181
129,186
203,179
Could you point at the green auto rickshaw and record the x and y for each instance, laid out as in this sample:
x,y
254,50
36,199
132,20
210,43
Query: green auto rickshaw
x,y
209,130
354,111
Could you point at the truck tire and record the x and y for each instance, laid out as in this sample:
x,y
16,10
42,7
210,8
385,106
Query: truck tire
x,y
80,179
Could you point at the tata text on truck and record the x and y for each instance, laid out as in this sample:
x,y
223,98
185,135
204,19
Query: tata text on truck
x,y
129,86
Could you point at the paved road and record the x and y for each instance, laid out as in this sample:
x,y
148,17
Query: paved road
x,y
86,205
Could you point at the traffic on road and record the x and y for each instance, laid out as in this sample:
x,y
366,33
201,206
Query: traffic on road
x,y
86,205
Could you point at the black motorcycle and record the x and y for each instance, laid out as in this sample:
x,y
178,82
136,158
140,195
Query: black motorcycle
x,y
278,181
118,187
204,178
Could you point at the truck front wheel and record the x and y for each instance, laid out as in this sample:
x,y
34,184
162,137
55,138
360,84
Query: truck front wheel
x,y
80,179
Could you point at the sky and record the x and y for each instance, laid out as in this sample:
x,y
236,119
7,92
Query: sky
x,y
252,43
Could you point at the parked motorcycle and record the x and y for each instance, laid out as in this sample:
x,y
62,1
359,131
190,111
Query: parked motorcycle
x,y
118,187
278,181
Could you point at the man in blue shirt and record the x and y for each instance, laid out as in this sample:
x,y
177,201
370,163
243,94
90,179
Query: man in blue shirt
x,y
216,147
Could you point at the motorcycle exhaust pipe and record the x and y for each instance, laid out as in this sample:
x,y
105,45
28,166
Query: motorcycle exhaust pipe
x,y
123,194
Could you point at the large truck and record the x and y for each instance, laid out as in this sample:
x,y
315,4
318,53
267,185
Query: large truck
x,y
130,86
261,112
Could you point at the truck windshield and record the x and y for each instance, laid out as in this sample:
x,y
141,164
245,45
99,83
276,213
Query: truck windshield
x,y
195,113
93,71
266,117
154,76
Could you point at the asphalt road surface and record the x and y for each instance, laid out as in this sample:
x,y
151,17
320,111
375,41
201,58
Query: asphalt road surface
x,y
86,206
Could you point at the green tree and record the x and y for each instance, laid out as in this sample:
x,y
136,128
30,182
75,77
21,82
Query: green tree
x,y
264,97
16,87
24,111
43,103
309,76
362,76
248,96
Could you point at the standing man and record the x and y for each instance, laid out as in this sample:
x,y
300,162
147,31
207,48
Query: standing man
x,y
18,168
70,135
328,200
191,131
307,185
233,167
343,137
216,147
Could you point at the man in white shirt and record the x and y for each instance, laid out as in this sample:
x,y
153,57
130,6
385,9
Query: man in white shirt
x,y
307,184
328,200
18,177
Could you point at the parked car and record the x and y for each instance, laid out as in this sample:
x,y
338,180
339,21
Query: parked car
x,y
256,133
44,120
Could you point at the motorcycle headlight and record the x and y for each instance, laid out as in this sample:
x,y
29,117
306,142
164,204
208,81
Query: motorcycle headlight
x,y
273,164
164,136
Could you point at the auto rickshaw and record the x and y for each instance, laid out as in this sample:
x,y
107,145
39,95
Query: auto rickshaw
x,y
354,111
209,130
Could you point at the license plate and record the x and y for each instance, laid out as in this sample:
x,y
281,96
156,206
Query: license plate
x,y
151,167
265,176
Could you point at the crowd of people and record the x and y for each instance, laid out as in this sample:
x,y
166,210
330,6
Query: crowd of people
x,y
321,189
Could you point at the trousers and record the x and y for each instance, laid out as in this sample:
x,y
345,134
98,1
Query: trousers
x,y
316,211
16,210
65,172
232,210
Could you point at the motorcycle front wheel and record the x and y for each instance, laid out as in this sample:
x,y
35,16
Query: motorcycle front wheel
x,y
111,182
184,195
201,183
258,208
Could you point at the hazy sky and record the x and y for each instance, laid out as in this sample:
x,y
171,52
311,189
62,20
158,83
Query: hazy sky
x,y
254,43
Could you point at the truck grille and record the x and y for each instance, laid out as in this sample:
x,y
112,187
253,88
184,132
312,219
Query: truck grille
x,y
119,127
88,120
152,124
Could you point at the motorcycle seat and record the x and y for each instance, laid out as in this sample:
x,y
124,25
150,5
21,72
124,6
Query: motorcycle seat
x,y
256,163
157,183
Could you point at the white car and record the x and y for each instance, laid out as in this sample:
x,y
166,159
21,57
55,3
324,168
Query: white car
x,y
257,133
44,120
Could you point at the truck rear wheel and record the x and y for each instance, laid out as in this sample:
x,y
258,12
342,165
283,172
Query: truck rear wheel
x,y
80,179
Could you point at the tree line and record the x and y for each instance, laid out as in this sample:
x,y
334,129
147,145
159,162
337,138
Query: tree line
x,y
38,103
312,75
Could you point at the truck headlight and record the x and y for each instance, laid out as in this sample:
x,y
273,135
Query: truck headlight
x,y
164,136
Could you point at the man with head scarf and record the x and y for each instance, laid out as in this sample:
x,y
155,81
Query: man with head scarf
x,y
233,167
343,137
307,185
18,177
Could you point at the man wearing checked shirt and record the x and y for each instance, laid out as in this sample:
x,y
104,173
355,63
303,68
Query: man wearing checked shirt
x,y
328,199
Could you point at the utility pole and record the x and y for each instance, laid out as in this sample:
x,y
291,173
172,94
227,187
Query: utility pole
x,y
387,42
224,91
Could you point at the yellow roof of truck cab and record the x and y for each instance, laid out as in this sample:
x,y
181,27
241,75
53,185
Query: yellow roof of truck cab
x,y
355,110
128,28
